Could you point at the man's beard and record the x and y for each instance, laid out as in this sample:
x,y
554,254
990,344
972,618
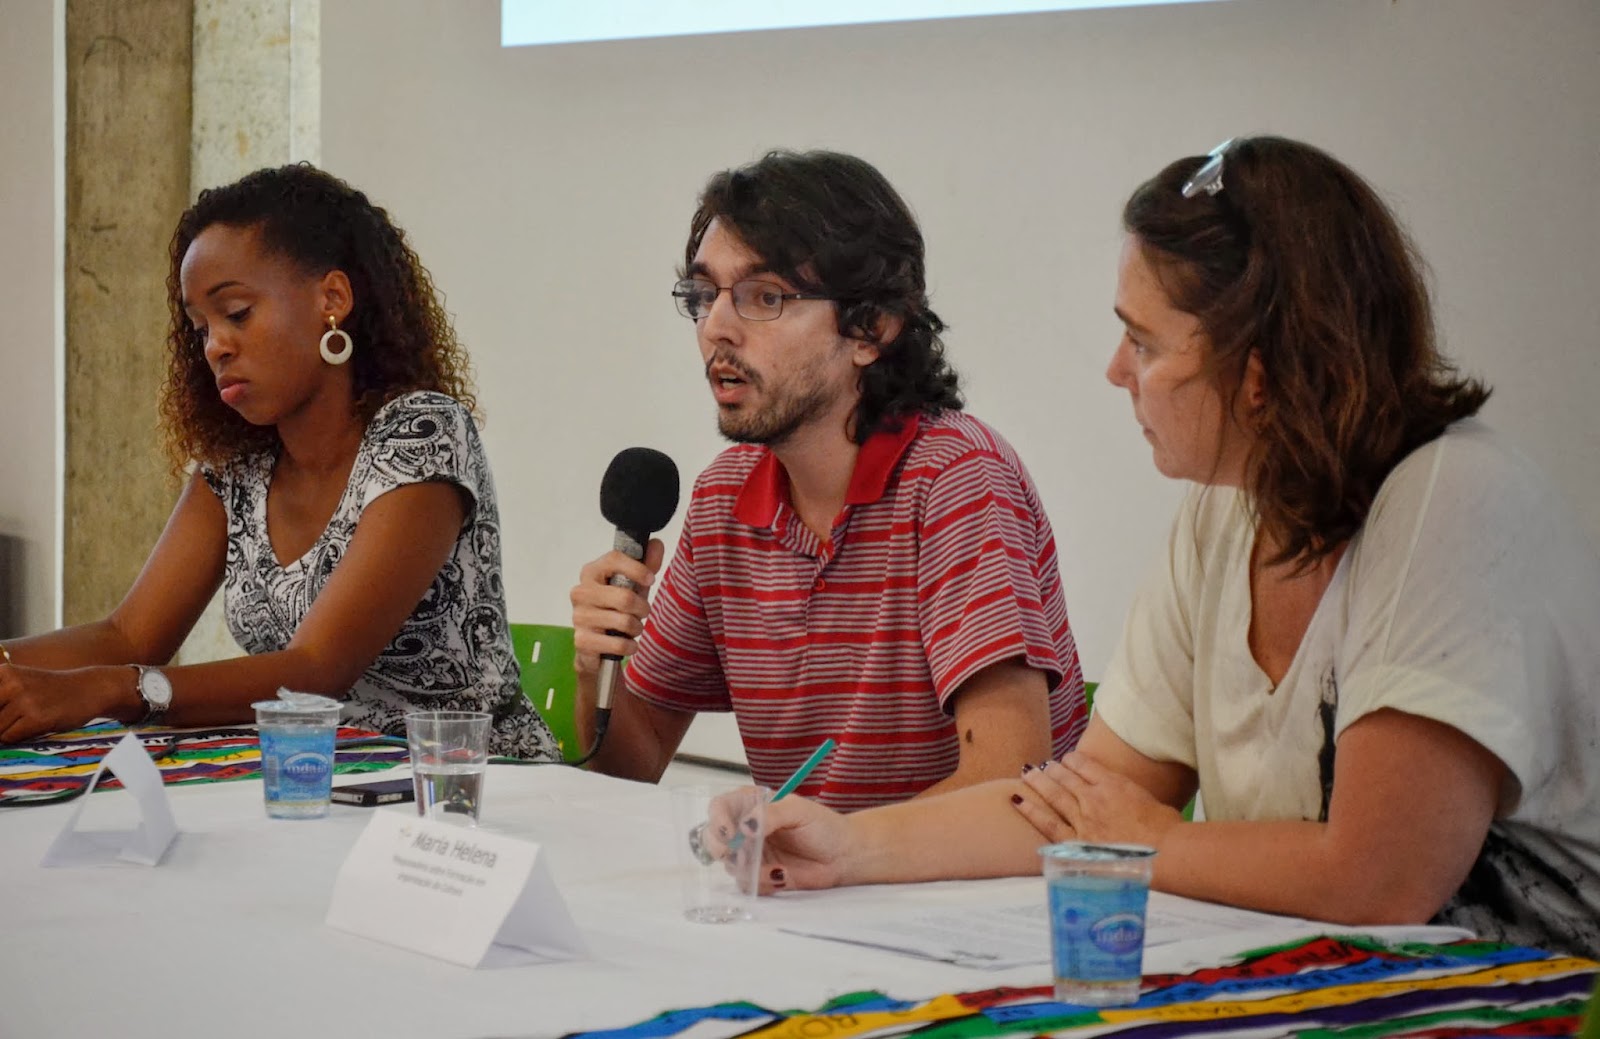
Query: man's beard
x,y
783,415
775,423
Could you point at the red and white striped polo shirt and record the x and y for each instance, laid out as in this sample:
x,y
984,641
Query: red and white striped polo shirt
x,y
941,563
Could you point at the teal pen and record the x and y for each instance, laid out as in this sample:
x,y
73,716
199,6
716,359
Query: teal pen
x,y
807,766
805,769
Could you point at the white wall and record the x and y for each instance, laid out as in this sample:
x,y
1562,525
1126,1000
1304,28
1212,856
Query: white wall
x,y
30,302
549,190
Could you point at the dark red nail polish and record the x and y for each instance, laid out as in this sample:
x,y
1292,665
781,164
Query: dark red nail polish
x,y
777,875
1016,799
1026,769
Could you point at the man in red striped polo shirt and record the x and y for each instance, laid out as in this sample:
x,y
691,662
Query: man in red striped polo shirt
x,y
868,562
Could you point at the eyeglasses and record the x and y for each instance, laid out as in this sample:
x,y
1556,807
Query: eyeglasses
x,y
1208,178
753,299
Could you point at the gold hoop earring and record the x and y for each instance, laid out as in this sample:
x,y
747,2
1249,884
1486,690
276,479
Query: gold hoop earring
x,y
334,331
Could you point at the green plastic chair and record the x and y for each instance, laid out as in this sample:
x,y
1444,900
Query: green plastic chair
x,y
545,654
1591,1019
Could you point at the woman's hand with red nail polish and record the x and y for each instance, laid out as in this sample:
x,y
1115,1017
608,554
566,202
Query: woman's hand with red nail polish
x,y
1078,799
805,846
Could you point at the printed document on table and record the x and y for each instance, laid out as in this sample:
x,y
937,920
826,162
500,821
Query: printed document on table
x,y
1180,933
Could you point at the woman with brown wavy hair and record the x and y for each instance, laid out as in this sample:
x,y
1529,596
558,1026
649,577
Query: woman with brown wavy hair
x,y
1370,642
340,492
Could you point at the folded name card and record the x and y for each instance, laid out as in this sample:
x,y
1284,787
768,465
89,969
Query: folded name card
x,y
473,898
146,843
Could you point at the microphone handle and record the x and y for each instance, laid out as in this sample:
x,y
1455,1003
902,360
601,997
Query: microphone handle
x,y
630,543
606,681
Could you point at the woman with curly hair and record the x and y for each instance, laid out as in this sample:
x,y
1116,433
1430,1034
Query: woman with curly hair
x,y
340,492
1369,642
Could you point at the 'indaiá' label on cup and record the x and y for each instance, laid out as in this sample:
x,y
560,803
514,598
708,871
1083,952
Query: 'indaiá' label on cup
x,y
1098,927
296,766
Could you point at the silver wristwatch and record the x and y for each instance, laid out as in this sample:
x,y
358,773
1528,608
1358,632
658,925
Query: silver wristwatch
x,y
156,690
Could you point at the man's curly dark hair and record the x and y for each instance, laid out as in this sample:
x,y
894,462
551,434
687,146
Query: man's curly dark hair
x,y
830,223
404,339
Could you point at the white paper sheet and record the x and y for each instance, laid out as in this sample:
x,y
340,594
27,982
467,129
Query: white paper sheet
x,y
1019,935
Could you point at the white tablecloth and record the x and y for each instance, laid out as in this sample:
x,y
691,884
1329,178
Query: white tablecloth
x,y
226,936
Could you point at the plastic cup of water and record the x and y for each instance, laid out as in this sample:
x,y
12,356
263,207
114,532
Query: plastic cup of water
x,y
719,852
449,756
1097,896
297,732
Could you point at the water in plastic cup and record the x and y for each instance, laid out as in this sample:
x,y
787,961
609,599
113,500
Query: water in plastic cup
x,y
449,756
1097,896
719,854
297,732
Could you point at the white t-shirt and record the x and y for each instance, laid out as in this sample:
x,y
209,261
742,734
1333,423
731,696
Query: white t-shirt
x,y
1469,596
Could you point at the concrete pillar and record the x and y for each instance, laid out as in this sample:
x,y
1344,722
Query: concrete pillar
x,y
257,87
127,179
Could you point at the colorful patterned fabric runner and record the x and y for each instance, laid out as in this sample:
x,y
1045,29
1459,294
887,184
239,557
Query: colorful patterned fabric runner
x,y
1323,988
59,766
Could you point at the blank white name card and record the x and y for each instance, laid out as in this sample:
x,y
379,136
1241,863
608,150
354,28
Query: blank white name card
x,y
473,898
147,842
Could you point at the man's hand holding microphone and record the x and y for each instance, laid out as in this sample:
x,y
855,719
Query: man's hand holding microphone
x,y
609,605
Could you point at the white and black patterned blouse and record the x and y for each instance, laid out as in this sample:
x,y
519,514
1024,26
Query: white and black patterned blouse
x,y
454,651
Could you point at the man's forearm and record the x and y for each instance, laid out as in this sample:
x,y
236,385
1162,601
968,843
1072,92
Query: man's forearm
x,y
631,749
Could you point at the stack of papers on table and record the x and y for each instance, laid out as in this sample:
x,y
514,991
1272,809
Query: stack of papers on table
x,y
1180,933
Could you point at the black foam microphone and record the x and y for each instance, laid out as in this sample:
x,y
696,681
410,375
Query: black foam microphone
x,y
638,495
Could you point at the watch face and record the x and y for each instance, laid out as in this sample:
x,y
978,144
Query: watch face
x,y
156,688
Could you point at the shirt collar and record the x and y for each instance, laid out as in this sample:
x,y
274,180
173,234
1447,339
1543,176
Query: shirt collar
x,y
767,486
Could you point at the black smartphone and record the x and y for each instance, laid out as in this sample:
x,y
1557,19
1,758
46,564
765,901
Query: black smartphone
x,y
378,792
